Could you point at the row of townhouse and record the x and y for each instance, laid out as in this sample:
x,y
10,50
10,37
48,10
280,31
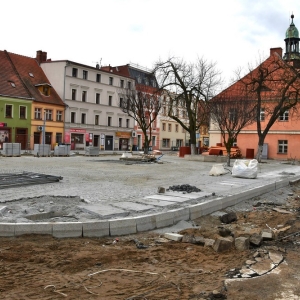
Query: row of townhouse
x,y
56,102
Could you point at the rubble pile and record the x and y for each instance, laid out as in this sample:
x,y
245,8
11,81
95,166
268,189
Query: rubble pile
x,y
184,188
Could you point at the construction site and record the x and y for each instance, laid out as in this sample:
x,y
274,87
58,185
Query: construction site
x,y
105,227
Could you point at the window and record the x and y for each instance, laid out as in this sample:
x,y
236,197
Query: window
x,y
177,112
109,121
96,119
232,115
122,83
73,117
282,146
262,114
48,114
111,81
8,111
22,112
166,143
183,114
85,74
179,143
164,111
83,118
284,116
74,94
97,98
176,127
59,115
98,78
153,83
163,126
38,113
127,123
58,138
74,72
46,90
83,96
153,141
129,85
169,127
121,102
120,122
109,100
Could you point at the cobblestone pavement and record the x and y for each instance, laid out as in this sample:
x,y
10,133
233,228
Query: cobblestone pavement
x,y
121,185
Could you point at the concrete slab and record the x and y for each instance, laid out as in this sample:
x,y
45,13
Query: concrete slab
x,y
95,229
33,228
63,230
145,223
188,196
7,229
122,227
164,219
181,214
104,210
133,206
173,236
156,202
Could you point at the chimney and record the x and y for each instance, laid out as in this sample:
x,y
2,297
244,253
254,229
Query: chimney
x,y
276,50
41,56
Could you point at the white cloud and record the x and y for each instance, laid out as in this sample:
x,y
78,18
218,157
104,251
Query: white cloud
x,y
231,33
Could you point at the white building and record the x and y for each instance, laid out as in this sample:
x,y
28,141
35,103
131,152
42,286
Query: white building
x,y
93,116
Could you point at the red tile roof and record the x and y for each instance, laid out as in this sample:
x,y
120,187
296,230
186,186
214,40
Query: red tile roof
x,y
16,68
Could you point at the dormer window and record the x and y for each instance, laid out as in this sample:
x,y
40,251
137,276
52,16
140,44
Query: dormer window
x,y
30,74
44,88
12,83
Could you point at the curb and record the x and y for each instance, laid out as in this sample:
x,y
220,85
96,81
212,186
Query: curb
x,y
126,226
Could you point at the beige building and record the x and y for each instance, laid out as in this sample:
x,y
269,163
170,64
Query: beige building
x,y
93,116
172,134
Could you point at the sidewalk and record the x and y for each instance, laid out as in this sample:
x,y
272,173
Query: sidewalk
x,y
123,196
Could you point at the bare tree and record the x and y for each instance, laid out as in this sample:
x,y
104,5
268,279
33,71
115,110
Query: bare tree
x,y
231,114
275,84
143,106
187,85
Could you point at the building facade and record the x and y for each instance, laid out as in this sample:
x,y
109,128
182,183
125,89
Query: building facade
x,y
93,116
33,113
283,139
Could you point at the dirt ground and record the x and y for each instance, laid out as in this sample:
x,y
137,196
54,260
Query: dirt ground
x,y
147,266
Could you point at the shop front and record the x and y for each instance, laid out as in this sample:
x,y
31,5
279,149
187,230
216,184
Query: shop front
x,y
123,140
78,138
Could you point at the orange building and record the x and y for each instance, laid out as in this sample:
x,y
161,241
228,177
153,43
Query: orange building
x,y
283,138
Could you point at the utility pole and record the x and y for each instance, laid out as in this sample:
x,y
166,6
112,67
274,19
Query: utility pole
x,y
44,128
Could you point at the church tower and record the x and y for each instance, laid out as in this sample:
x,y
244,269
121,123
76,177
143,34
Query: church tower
x,y
292,44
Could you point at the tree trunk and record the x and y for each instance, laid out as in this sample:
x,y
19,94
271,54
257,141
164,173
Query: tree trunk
x,y
193,149
259,153
228,159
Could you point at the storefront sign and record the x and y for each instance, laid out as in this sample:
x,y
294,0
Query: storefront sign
x,y
3,124
123,134
78,130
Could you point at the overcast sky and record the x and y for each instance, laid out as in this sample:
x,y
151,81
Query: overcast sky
x,y
231,33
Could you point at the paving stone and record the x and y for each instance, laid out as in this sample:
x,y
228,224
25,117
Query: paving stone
x,y
63,230
33,228
95,229
173,236
122,227
7,229
263,266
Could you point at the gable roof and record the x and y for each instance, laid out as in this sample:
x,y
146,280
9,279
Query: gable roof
x,y
27,76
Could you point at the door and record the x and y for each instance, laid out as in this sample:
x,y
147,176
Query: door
x,y
109,142
21,137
